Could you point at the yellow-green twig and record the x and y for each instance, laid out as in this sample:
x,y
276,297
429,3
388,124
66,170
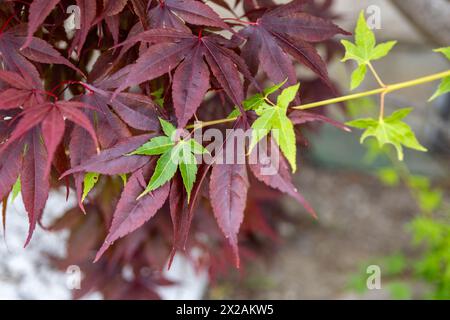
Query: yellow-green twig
x,y
383,90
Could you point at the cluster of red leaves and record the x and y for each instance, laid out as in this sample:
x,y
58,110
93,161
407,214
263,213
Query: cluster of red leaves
x,y
61,115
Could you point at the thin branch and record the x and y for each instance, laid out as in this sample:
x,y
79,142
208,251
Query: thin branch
x,y
382,91
389,88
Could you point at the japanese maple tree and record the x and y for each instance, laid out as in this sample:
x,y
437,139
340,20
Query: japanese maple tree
x,y
110,110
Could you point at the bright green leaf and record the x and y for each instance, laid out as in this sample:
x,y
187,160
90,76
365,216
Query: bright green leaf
x,y
274,119
188,169
444,88
444,51
285,138
167,127
261,126
364,37
391,130
364,50
196,147
90,179
251,103
399,114
287,96
155,146
165,169
274,88
382,50
182,156
362,123
17,187
352,52
262,108
358,76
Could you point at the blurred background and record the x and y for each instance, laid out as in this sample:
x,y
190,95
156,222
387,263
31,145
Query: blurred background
x,y
372,210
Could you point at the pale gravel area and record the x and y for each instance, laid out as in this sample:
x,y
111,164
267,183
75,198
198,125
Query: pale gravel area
x,y
25,273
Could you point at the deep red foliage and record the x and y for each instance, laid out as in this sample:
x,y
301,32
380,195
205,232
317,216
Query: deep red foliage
x,y
65,111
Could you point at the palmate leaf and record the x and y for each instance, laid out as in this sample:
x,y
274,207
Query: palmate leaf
x,y
279,177
169,12
112,161
190,56
390,130
50,118
131,213
274,119
228,192
174,155
167,127
285,138
136,110
13,55
156,146
41,9
257,100
364,50
252,103
188,168
35,187
284,31
268,91
179,215
444,86
358,76
164,171
87,14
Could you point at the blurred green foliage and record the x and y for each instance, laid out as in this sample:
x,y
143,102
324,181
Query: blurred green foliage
x,y
430,229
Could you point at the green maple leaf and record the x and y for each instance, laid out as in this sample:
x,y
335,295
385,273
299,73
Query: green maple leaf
x,y
167,127
165,169
364,50
89,181
17,187
188,168
158,96
390,130
274,119
251,103
274,88
444,87
155,146
444,51
257,100
174,155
